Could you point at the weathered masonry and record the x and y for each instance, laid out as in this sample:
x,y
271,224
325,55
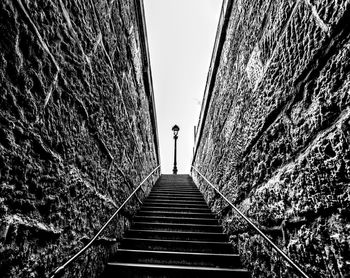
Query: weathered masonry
x,y
77,129
274,132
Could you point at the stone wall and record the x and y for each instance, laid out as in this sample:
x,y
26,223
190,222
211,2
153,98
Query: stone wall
x,y
274,132
77,129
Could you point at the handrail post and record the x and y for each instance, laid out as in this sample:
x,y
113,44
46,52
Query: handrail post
x,y
279,251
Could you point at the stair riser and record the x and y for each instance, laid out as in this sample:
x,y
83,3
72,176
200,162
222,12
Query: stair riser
x,y
202,221
177,205
214,247
187,193
176,186
178,209
177,227
179,187
175,201
177,236
175,190
176,214
119,271
178,259
173,196
187,198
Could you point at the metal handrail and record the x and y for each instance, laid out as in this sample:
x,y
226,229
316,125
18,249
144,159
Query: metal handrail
x,y
59,270
279,251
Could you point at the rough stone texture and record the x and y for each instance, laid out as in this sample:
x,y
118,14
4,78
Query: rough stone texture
x,y
276,136
76,135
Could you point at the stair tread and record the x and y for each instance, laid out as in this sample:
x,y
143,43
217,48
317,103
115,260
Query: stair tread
x,y
164,208
178,241
176,232
174,199
170,218
178,195
167,204
175,224
162,211
178,267
178,253
182,195
176,203
179,214
183,190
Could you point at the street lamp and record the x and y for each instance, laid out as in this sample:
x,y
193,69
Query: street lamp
x,y
175,129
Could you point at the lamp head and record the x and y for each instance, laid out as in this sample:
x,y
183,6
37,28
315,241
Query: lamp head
x,y
175,129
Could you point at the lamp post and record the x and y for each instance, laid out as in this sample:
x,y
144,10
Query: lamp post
x,y
175,129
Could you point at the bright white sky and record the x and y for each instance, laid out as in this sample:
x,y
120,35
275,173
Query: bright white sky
x,y
181,35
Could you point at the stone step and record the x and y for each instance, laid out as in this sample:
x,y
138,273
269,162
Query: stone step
x,y
175,214
176,187
157,270
176,245
181,220
175,209
177,227
176,196
175,200
177,235
176,205
164,191
177,258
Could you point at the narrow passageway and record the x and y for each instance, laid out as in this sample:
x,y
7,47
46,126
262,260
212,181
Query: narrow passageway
x,y
265,83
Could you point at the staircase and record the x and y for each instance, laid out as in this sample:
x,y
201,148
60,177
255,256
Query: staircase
x,y
175,235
